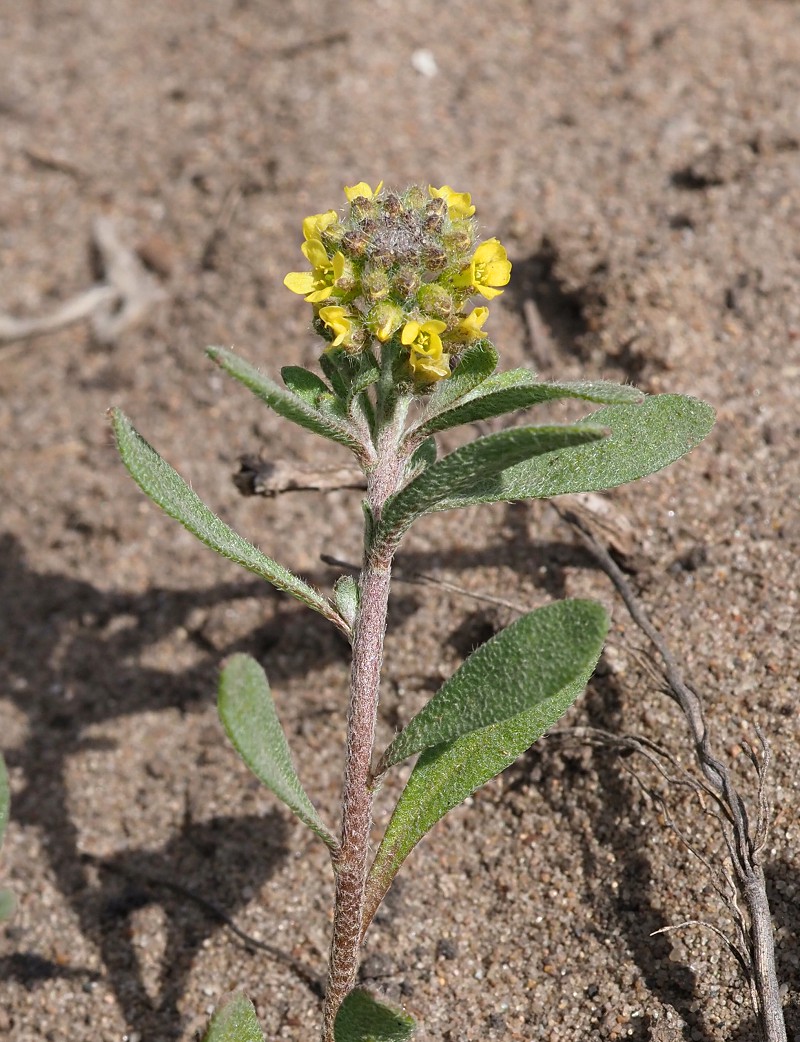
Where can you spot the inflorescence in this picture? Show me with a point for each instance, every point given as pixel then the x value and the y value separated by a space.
pixel 400 268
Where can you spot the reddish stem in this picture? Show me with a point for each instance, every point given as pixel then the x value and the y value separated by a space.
pixel 350 865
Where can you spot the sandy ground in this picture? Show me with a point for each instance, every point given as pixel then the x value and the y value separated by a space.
pixel 642 163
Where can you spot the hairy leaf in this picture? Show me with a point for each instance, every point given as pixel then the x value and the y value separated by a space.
pixel 305 384
pixel 468 469
pixel 367 374
pixel 234 1020
pixel 489 403
pixel 328 364
pixel 362 1018
pixel 445 775
pixel 524 665
pixel 345 597
pixel 422 458
pixel 286 403
pixel 164 486
pixel 248 715
pixel 644 438
pixel 475 365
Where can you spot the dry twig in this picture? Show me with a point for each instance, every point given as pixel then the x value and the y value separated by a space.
pixel 124 297
pixel 745 842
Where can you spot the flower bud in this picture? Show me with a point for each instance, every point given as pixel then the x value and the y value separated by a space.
pixel 434 258
pixel 384 319
pixel 435 300
pixel 355 242
pixel 433 222
pixel 392 206
pixel 406 282
pixel 415 197
pixel 375 283
pixel 458 241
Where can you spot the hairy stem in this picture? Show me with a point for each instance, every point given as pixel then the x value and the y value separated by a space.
pixel 350 864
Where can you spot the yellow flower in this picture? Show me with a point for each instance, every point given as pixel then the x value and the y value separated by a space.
pixel 427 358
pixel 470 327
pixel 338 321
pixel 315 225
pixel 488 269
pixel 361 189
pixel 318 284
pixel 459 204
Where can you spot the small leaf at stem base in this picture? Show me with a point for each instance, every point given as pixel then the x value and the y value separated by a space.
pixel 234 1020
pixel 362 1018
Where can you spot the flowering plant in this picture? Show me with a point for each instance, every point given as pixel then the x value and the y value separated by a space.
pixel 405 357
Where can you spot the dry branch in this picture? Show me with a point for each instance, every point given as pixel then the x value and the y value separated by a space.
pixel 124 297
pixel 744 840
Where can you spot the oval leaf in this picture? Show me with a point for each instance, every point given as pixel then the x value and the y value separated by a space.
pixel 445 775
pixel 361 1018
pixel 234 1020
pixel 157 479
pixel 248 715
pixel 644 438
pixel 524 665
pixel 471 467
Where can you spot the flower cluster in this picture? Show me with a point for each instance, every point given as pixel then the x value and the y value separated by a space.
pixel 400 269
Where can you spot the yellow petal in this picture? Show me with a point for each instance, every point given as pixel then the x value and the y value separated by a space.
pixel 434 325
pixel 299 281
pixel 315 225
pixel 361 189
pixel 319 294
pixel 458 203
pixel 409 334
pixel 487 292
pixel 316 253
pixel 430 369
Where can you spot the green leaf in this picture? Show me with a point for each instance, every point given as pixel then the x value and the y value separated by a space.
pixel 422 458
pixel 305 384
pixel 471 467
pixel 367 374
pixel 475 365
pixel 5 799
pixel 488 403
pixel 234 1020
pixel 525 665
pixel 329 366
pixel 644 438
pixel 8 904
pixel 164 486
pixel 346 597
pixel 286 403
pixel 362 1018
pixel 248 715
pixel 445 775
